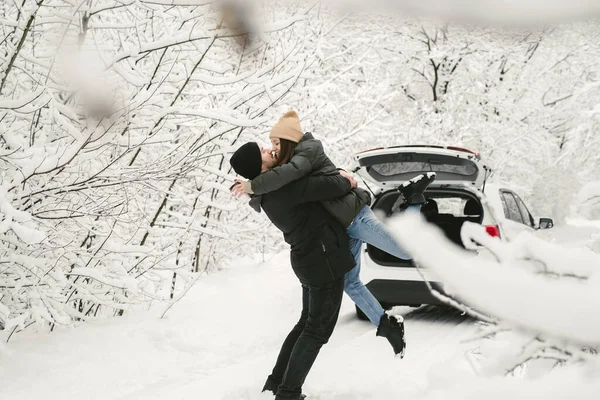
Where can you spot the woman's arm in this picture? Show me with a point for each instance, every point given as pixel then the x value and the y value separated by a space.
pixel 299 166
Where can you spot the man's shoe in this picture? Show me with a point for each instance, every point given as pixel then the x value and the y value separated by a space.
pixel 271 386
pixel 392 328
pixel 300 397
pixel 412 190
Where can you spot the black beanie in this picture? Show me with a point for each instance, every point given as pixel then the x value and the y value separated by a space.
pixel 246 161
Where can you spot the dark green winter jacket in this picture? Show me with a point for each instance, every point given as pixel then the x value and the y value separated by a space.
pixel 309 158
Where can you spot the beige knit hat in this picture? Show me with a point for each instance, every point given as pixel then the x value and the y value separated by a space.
pixel 288 127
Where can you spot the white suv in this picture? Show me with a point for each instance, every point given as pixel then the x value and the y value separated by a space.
pixel 453 198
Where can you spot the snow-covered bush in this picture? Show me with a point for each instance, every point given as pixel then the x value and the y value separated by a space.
pixel 539 300
pixel 553 192
pixel 587 203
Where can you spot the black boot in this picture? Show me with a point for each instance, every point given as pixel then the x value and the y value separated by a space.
pixel 392 328
pixel 272 386
pixel 412 190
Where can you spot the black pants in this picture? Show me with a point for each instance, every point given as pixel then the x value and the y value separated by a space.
pixel 320 310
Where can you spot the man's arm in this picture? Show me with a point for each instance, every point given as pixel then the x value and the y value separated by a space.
pixel 317 188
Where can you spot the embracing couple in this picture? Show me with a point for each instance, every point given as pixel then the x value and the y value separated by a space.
pixel 324 218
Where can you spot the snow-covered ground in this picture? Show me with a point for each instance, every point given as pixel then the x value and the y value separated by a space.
pixel 220 342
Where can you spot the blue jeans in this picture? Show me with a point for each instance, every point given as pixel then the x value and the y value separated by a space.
pixel 365 227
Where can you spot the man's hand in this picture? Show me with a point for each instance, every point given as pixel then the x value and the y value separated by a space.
pixel 353 183
pixel 238 188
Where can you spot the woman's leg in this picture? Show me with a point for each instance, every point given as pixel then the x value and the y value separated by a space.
pixel 357 291
pixel 368 228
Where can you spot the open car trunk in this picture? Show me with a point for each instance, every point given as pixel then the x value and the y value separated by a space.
pixel 448 209
pixel 392 166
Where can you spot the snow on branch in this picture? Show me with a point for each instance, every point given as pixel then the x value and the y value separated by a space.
pixel 24 103
pixel 211 114
pixel 542 298
pixel 526 299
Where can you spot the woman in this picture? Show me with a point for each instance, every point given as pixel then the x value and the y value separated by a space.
pixel 320 257
pixel 299 155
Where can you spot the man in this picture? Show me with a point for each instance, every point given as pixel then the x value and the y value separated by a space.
pixel 320 256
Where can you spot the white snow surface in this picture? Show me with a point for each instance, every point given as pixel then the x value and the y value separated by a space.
pixel 221 340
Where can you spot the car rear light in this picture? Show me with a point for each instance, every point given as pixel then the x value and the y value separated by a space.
pixel 376 148
pixel 463 149
pixel 429 146
pixel 492 230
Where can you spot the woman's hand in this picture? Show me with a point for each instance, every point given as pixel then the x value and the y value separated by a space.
pixel 238 188
pixel 353 183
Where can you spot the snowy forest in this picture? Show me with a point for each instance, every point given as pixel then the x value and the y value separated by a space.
pixel 118 118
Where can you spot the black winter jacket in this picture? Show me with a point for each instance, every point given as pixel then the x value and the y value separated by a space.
pixel 319 244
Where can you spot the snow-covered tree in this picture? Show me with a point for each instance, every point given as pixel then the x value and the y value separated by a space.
pixel 525 97
pixel 116 119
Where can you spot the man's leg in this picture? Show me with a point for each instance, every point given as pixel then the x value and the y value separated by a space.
pixel 368 228
pixel 324 308
pixel 274 380
pixel 357 291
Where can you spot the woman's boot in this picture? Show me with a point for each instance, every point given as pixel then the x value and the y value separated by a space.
pixel 392 328
pixel 413 189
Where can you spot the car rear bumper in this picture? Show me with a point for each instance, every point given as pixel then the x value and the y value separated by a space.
pixel 404 272
pixel 403 293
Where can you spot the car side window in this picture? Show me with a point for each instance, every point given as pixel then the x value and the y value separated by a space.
pixel 504 206
pixel 511 211
pixel 524 211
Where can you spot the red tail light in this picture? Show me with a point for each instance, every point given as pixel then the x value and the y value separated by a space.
pixel 492 230
pixel 465 150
